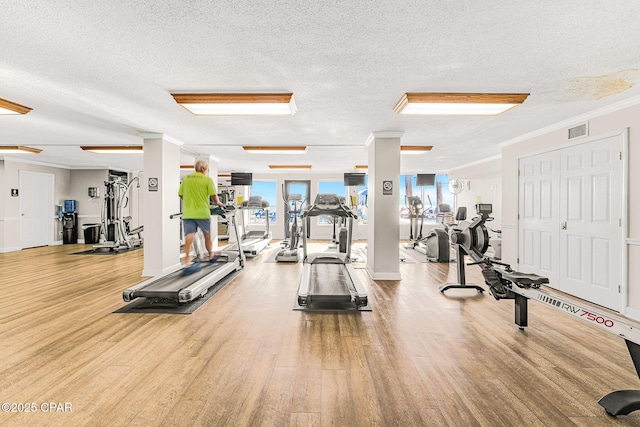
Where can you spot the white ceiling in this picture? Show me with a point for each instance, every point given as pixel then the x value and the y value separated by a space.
pixel 98 73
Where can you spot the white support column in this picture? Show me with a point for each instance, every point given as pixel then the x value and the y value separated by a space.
pixel 160 199
pixel 213 174
pixel 383 247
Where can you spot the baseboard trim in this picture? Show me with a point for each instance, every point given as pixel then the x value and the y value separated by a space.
pixel 11 249
pixel 632 313
pixel 384 275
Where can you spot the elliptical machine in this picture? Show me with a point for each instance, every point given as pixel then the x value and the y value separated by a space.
pixel 339 239
pixel 415 208
pixel 435 245
pixel 289 251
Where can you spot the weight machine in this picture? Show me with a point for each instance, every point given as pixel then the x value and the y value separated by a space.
pixel 116 227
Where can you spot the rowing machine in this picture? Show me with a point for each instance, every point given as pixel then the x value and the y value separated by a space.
pixel 505 283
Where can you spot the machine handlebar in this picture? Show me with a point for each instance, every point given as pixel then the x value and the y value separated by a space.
pixel 214 211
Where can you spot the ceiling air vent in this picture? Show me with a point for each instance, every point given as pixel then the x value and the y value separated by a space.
pixel 578 131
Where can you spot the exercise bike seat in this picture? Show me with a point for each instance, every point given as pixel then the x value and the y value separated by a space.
pixel 524 280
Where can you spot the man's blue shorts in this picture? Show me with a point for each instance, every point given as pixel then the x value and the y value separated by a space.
pixel 191 225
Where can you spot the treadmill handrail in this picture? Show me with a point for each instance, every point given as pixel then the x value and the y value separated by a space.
pixel 331 210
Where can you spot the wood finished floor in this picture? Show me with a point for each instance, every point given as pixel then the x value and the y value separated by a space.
pixel 245 358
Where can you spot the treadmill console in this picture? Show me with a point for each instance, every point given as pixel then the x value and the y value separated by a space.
pixel 327 201
pixel 484 209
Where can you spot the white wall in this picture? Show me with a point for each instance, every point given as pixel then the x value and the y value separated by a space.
pixel 89 210
pixel 484 186
pixel 69 184
pixel 4 192
pixel 600 123
pixel 10 206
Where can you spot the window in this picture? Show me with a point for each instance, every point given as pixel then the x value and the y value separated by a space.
pixel 431 197
pixel 362 202
pixel 330 187
pixel 266 190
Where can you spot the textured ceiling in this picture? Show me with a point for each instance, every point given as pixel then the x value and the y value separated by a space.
pixel 98 73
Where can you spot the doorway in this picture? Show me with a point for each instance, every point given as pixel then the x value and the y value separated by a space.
pixel 571 205
pixel 36 209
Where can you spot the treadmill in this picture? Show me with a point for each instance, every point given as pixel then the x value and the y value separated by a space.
pixel 329 281
pixel 175 287
pixel 254 241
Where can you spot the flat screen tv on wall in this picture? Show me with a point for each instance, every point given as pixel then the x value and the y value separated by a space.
pixel 354 178
pixel 426 179
pixel 241 178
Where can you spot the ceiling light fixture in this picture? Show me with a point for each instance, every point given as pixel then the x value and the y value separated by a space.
pixel 415 149
pixel 8 107
pixel 114 149
pixel 485 104
pixel 232 104
pixel 265 149
pixel 18 149
pixel 282 167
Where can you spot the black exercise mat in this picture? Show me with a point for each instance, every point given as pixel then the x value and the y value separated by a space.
pixel 106 251
pixel 143 305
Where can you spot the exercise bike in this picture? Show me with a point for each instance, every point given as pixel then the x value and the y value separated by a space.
pixel 437 242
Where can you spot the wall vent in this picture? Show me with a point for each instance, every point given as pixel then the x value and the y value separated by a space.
pixel 578 131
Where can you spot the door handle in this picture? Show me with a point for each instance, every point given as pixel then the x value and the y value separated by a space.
pixel 563 225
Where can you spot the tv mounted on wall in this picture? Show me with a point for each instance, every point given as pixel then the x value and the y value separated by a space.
pixel 426 179
pixel 241 178
pixel 354 178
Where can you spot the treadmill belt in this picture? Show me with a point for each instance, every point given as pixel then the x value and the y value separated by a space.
pixel 329 280
pixel 146 305
pixel 171 284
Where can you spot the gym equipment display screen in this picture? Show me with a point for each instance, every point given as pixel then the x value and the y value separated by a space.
pixel 241 178
pixel 354 179
pixel 426 179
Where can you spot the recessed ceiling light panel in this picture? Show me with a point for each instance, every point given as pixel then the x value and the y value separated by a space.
pixel 114 149
pixel 18 149
pixel 285 167
pixel 487 104
pixel 233 104
pixel 263 149
pixel 415 149
pixel 11 108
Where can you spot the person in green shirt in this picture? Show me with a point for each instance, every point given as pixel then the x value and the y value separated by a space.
pixel 196 190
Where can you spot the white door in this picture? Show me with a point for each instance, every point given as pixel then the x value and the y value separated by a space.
pixel 538 214
pixel 591 221
pixel 36 209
